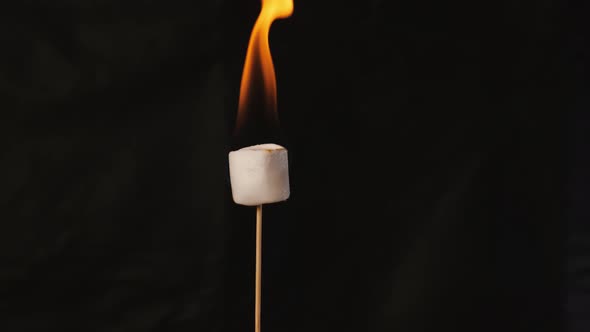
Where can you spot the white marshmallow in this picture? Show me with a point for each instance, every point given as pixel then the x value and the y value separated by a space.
pixel 259 174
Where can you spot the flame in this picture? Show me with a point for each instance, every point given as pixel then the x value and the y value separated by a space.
pixel 258 67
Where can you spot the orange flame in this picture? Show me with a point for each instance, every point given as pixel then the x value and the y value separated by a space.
pixel 259 67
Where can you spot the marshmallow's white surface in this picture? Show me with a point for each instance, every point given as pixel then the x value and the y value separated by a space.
pixel 259 174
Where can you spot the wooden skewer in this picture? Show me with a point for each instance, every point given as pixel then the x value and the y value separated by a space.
pixel 258 297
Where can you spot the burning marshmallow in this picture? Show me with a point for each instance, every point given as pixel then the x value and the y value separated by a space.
pixel 259 174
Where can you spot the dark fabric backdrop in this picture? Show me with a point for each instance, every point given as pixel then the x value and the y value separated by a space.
pixel 426 145
pixel 578 208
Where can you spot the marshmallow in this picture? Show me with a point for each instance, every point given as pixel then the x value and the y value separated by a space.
pixel 259 174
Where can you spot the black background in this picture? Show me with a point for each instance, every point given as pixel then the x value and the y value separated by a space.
pixel 428 153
